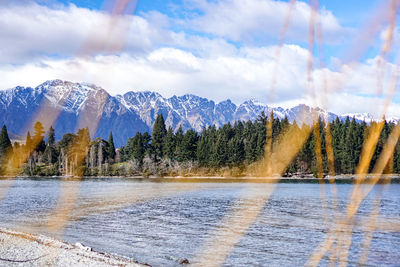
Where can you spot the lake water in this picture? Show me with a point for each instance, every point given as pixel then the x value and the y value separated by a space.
pixel 161 222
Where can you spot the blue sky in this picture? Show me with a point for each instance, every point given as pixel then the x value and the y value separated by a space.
pixel 213 48
pixel 351 14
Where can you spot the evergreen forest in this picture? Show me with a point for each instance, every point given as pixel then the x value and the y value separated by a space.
pixel 232 150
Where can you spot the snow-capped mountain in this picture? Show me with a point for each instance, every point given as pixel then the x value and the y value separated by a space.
pixel 360 116
pixel 368 118
pixel 69 106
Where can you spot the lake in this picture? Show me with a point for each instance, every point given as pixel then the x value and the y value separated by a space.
pixel 159 222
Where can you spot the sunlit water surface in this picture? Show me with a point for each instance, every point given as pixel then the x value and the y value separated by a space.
pixel 161 222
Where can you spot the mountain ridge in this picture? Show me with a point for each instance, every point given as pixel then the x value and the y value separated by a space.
pixel 69 106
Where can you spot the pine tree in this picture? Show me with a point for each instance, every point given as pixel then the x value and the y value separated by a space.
pixel 28 142
pixel 276 127
pixel 350 148
pixel 220 156
pixel 158 136
pixel 5 143
pixel 39 130
pixel 285 124
pixel 145 143
pixel 178 143
pixel 203 153
pixel 189 145
pixel 50 153
pixel 169 145
pixel 136 147
pixel 338 136
pixel 238 153
pixel 396 163
pixel 17 155
pixel 111 147
pixel 80 149
pixel 261 130
pixel 251 137
pixel 138 150
pixel 39 136
pixel 306 157
pixel 51 136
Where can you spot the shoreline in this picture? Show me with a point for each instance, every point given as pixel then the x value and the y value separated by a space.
pixel 25 249
pixel 386 178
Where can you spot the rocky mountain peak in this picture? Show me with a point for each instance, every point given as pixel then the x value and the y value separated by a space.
pixel 80 104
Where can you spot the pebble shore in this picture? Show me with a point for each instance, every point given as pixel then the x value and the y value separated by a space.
pixel 23 249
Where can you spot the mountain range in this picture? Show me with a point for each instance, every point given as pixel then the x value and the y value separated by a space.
pixel 69 106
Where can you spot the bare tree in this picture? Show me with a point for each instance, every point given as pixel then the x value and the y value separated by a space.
pixel 100 156
pixel 92 158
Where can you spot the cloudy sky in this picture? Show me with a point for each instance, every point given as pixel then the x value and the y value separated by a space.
pixel 217 49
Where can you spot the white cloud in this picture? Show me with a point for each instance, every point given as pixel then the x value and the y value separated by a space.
pixel 238 77
pixel 32 30
pixel 174 71
pixel 241 20
pixel 358 87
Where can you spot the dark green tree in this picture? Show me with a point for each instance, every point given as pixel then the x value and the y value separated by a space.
pixel 66 141
pixel 206 146
pixel 189 145
pixel 220 155
pixel 203 148
pixel 38 137
pixel 178 144
pixel 158 138
pixel 237 151
pixel 250 142
pixel 5 143
pixel 50 153
pixel 136 147
pixel 51 136
pixel 28 142
pixel 261 123
pixel 111 147
pixel 169 144
pixel 396 158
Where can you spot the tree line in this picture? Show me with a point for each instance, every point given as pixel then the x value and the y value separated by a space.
pixel 236 149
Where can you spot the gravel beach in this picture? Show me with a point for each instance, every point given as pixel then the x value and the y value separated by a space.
pixel 22 249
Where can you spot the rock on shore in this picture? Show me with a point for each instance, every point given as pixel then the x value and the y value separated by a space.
pixel 22 249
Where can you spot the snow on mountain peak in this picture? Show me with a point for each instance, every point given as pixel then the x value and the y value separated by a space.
pixel 137 111
pixel 68 95
pixel 367 117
